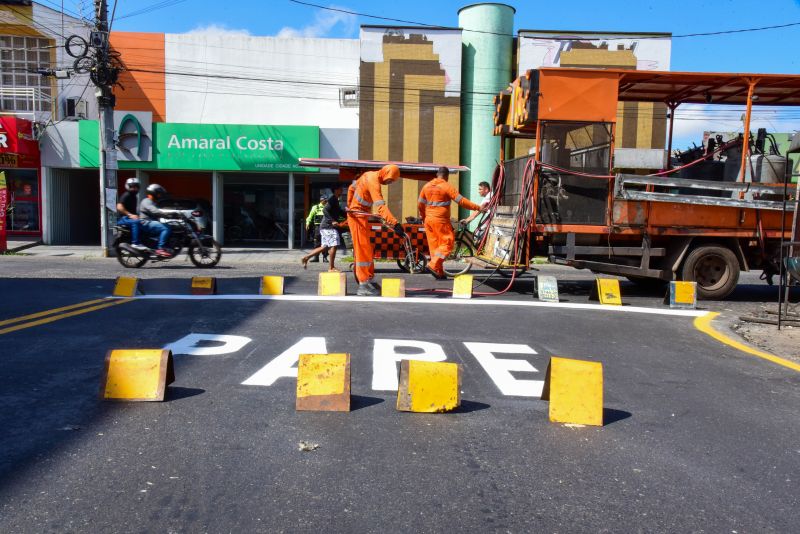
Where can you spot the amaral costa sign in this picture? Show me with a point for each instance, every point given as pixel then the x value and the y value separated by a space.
pixel 217 147
pixel 241 143
pixel 234 147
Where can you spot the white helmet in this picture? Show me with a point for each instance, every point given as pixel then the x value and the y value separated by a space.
pixel 131 182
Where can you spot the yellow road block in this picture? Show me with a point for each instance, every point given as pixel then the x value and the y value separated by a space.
pixel 608 291
pixel 323 383
pixel 332 285
pixel 575 391
pixel 137 374
pixel 429 387
pixel 204 285
pixel 462 286
pixel 682 295
pixel 125 286
pixel 271 285
pixel 393 287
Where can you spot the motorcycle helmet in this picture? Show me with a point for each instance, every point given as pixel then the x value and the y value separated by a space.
pixel 131 182
pixel 156 190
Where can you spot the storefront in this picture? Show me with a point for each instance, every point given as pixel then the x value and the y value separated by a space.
pixel 245 178
pixel 20 162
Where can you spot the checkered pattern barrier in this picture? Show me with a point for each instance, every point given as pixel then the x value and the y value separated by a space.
pixel 388 244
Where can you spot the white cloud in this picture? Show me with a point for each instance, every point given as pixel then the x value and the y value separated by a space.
pixel 324 22
pixel 217 30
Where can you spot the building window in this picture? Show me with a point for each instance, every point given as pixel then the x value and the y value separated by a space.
pixel 348 97
pixel 21 88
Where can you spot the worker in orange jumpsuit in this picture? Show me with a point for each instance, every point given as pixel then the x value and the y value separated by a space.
pixel 434 209
pixel 362 196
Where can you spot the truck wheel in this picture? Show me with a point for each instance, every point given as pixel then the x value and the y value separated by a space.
pixel 714 268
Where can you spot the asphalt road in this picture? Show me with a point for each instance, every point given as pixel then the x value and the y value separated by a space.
pixel 698 436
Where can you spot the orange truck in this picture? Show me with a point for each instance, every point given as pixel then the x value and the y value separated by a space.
pixel 704 222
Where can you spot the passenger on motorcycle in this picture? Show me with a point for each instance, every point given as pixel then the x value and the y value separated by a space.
pixel 149 213
pixel 127 212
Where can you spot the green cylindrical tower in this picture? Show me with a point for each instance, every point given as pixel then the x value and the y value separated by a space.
pixel 486 69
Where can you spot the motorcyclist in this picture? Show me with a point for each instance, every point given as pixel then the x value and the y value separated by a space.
pixel 127 212
pixel 149 213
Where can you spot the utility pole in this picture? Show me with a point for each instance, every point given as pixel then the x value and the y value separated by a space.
pixel 104 80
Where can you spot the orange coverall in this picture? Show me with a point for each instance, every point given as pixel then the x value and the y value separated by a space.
pixel 434 208
pixel 362 195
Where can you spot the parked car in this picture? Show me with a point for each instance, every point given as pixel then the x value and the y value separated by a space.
pixel 187 206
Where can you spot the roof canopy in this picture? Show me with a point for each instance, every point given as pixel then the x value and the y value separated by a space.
pixel 704 87
pixel 350 168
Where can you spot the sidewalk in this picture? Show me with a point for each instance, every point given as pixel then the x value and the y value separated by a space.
pixel 230 255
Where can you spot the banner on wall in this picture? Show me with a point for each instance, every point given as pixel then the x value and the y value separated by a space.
pixel 3 206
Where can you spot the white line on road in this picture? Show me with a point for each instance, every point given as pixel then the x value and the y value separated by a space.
pixel 437 301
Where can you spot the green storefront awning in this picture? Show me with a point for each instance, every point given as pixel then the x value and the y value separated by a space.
pixel 215 147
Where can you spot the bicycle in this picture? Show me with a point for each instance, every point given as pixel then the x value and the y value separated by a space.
pixel 459 261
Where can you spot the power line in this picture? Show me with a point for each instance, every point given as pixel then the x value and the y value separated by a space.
pixel 152 7
pixel 277 80
pixel 62 9
pixel 113 12
pixel 435 26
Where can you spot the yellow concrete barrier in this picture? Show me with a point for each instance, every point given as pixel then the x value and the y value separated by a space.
pixel 332 285
pixel 462 286
pixel 271 285
pixel 204 285
pixel 393 287
pixel 125 286
pixel 429 387
pixel 137 374
pixel 323 383
pixel 575 391
pixel 607 291
pixel 682 295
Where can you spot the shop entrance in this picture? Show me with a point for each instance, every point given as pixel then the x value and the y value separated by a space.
pixel 74 204
pixel 256 210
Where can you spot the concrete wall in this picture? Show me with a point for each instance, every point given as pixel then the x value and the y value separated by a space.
pixel 338 143
pixel 640 125
pixel 59 146
pixel 238 79
pixel 410 102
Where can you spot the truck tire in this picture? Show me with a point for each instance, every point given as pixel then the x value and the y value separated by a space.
pixel 714 268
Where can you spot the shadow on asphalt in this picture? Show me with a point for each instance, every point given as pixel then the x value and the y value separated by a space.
pixel 611 416
pixel 176 393
pixel 184 267
pixel 471 406
pixel 361 401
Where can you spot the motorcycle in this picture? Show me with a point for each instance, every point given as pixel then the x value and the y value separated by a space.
pixel 184 233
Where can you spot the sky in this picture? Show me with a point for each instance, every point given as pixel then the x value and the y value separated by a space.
pixel 768 51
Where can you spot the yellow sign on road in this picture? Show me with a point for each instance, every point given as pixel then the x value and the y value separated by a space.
pixel 608 291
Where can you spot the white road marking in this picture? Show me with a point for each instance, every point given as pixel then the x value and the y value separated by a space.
pixel 385 358
pixel 225 344
pixel 284 364
pixel 498 368
pixel 437 302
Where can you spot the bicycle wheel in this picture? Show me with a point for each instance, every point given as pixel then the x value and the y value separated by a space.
pixel 460 259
